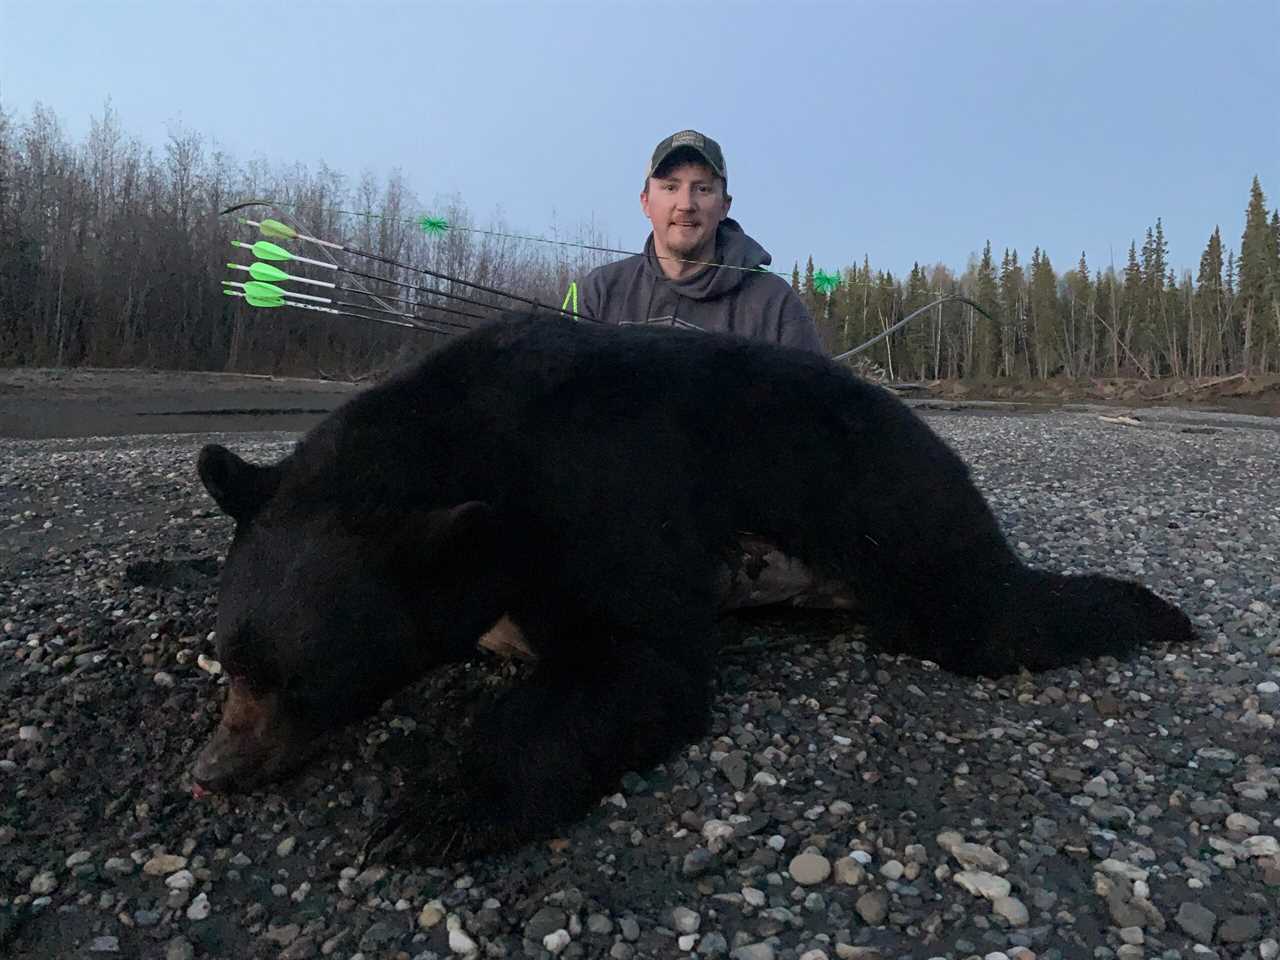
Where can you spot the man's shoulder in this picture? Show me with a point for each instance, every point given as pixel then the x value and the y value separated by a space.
pixel 611 272
pixel 766 283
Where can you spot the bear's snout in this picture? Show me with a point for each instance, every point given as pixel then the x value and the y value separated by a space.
pixel 255 743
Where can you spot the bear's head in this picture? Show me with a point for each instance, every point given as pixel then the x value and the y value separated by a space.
pixel 324 610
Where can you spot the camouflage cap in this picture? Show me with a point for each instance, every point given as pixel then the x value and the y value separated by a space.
pixel 702 145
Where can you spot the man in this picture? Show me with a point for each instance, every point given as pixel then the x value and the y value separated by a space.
pixel 699 269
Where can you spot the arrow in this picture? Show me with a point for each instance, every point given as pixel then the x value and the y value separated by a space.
pixel 256 300
pixel 266 273
pixel 270 251
pixel 265 250
pixel 268 294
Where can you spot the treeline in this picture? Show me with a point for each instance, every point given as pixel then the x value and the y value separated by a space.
pixel 1147 321
pixel 113 254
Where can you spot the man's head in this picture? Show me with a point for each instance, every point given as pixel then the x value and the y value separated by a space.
pixel 685 196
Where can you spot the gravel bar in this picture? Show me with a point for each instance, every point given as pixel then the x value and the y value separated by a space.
pixel 847 804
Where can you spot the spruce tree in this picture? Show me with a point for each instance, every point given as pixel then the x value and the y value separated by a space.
pixel 1208 328
pixel 985 336
pixel 1133 303
pixel 1079 335
pixel 1044 313
pixel 1012 311
pixel 1256 268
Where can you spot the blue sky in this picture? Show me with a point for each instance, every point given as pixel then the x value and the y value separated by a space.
pixel 903 130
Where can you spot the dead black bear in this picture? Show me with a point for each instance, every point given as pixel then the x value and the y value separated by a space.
pixel 591 484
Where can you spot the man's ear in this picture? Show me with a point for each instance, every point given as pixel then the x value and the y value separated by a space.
pixel 240 488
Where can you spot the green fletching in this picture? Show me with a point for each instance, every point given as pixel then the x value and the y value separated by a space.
pixel 267 273
pixel 274 228
pixel 255 301
pixel 259 289
pixel 824 282
pixel 433 226
pixel 269 251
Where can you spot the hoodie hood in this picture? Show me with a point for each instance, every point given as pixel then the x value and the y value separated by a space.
pixel 733 249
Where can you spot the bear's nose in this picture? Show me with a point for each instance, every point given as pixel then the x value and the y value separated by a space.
pixel 212 771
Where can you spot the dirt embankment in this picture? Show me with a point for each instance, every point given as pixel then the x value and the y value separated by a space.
pixel 1257 395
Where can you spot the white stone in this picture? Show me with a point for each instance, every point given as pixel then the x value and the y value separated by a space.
pixel 717 830
pixel 685 920
pixel 554 943
pixel 1118 868
pixel 892 870
pixel 983 884
pixel 199 908
pixel 43 883
pixel 182 880
pixel 1012 909
pixel 973 855
pixel 1262 846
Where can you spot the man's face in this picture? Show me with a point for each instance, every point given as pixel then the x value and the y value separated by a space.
pixel 685 205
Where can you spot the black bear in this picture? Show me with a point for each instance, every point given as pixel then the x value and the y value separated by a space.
pixel 588 486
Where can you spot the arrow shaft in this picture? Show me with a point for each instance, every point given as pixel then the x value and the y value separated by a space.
pixel 416 325
pixel 421 289
pixel 419 303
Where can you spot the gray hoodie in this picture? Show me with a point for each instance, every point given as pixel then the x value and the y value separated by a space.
pixel 747 302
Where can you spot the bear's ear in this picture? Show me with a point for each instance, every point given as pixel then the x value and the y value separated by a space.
pixel 240 488
pixel 470 525
pixel 455 538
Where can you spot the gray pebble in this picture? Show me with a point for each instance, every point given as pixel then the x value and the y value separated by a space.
pixel 545 921
pixel 1240 928
pixel 1196 921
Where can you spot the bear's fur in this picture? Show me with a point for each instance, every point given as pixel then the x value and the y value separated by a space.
pixel 591 484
